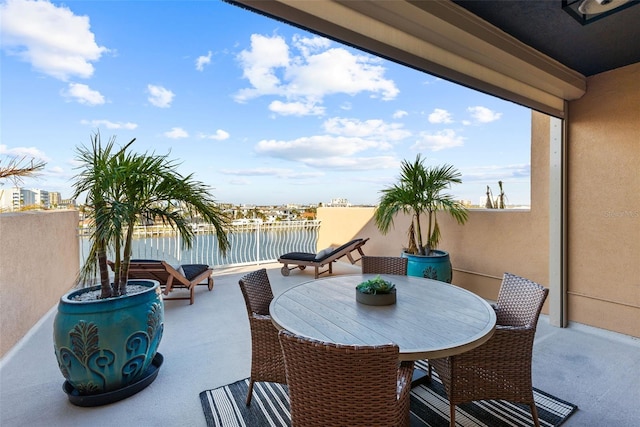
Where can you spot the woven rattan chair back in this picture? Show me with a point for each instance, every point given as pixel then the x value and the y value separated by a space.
pixel 343 385
pixel 267 363
pixel 519 301
pixel 384 265
pixel 501 367
pixel 257 292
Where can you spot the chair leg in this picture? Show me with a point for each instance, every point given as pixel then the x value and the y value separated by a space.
pixel 534 414
pixel 192 294
pixel 249 392
pixel 452 415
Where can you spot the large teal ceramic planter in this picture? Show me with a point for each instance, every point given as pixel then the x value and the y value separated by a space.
pixel 106 345
pixel 436 266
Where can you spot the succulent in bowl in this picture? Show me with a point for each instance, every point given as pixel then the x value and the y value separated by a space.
pixel 377 285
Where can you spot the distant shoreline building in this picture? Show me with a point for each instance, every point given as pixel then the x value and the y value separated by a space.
pixel 18 198
pixel 339 203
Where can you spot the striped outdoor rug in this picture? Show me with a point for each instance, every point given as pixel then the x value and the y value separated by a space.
pixel 225 407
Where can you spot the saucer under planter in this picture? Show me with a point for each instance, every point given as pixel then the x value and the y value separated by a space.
pixel 113 396
pixel 107 345
pixel 376 299
pixel 436 266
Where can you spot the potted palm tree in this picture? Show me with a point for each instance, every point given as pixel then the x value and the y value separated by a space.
pixel 106 336
pixel 420 191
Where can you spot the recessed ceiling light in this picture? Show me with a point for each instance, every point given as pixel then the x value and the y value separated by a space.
pixel 587 11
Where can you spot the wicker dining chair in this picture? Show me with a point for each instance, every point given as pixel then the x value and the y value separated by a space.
pixel 384 265
pixel 501 367
pixel 267 363
pixel 345 385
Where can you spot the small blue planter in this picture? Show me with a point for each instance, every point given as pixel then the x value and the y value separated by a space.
pixel 436 266
pixel 106 345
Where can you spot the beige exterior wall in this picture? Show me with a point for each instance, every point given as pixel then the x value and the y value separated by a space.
pixel 39 261
pixel 604 202
pixel 489 244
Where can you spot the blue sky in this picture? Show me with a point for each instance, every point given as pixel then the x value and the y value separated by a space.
pixel 261 111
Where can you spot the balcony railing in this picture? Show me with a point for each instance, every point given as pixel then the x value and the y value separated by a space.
pixel 250 243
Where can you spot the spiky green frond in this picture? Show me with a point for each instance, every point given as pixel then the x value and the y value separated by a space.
pixel 124 188
pixel 420 190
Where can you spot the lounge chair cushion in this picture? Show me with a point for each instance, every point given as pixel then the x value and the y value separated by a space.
pixel 191 271
pixel 320 256
pixel 326 251
pixel 336 250
pixel 302 256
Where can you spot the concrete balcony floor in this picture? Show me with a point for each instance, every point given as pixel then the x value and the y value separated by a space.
pixel 207 345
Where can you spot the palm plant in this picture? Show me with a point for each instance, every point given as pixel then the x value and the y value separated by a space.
pixel 420 192
pixel 124 188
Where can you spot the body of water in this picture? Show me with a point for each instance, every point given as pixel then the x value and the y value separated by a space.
pixel 249 244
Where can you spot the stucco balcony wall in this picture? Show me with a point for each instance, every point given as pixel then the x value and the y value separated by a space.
pixel 490 243
pixel 38 263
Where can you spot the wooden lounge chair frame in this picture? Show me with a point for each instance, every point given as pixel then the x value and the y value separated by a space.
pixel 168 276
pixel 303 259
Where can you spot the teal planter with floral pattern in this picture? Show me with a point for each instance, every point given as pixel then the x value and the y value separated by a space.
pixel 436 266
pixel 105 345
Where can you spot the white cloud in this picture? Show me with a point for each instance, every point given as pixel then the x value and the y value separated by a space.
pixel 159 96
pixel 275 172
pixel 371 129
pixel 398 114
pixel 430 82
pixel 307 71
pixel 202 61
pixel 52 39
pixel 318 146
pixel 239 181
pixel 176 133
pixel 56 170
pixel 83 94
pixel 338 71
pixel 483 114
pixel 109 124
pixel 259 64
pixel 441 140
pixel 309 45
pixel 26 152
pixel 296 108
pixel 494 173
pixel 440 116
pixel 220 135
pixel 376 163
pixel 349 145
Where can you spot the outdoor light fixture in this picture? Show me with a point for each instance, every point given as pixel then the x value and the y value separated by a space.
pixel 587 11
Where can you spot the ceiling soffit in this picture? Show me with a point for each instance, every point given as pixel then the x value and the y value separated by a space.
pixel 440 38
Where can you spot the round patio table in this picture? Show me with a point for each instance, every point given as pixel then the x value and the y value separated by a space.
pixel 430 319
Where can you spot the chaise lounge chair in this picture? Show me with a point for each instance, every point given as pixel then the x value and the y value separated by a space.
pixel 325 257
pixel 171 278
